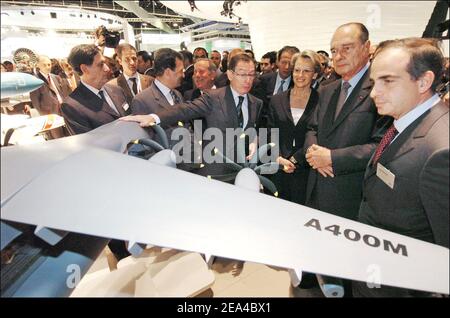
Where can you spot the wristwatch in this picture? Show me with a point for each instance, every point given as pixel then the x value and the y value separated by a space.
pixel 293 160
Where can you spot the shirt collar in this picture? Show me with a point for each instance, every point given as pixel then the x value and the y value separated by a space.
pixel 279 79
pixel 403 122
pixel 236 96
pixel 355 79
pixel 136 76
pixel 163 88
pixel 45 76
pixel 92 89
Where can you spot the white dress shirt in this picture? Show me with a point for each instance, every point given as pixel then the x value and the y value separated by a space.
pixel 96 92
pixel 130 82
pixel 403 122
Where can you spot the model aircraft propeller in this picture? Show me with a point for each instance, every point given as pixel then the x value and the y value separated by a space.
pixel 252 164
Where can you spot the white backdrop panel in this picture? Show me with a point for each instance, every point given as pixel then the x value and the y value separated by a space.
pixel 310 24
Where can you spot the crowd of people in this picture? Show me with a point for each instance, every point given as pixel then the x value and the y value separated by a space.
pixel 341 119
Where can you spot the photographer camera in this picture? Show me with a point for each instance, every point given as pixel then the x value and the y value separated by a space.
pixel 106 40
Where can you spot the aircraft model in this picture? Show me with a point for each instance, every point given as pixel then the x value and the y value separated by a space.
pixel 85 184
pixel 17 83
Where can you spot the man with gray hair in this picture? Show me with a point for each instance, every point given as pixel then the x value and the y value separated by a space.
pixel 47 99
pixel 344 131
pixel 204 76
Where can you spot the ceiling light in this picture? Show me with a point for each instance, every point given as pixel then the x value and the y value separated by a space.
pixel 175 24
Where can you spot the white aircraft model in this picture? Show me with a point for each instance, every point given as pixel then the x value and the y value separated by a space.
pixel 85 184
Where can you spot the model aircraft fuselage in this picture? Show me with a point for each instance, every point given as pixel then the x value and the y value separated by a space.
pixel 16 83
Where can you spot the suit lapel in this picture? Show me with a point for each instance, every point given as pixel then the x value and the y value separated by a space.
pixel 91 100
pixel 327 122
pixel 286 105
pixel 122 82
pixel 56 85
pixel 404 143
pixel 309 108
pixel 49 85
pixel 159 96
pixel 230 107
pixel 116 100
pixel 272 83
pixel 358 95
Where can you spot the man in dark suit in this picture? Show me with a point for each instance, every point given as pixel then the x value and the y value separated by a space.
pixel 48 98
pixel 92 103
pixel 406 184
pixel 275 82
pixel 129 80
pixel 344 132
pixel 227 107
pixel 204 75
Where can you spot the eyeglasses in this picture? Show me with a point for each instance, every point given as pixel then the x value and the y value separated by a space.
pixel 245 76
pixel 306 71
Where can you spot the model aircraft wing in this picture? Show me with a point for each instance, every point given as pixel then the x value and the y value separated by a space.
pixel 107 194
pixel 21 164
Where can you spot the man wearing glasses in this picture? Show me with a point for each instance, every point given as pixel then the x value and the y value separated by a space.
pixel 227 107
pixel 130 80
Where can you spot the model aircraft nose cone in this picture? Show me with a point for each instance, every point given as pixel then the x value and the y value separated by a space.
pixel 16 83
pixel 248 179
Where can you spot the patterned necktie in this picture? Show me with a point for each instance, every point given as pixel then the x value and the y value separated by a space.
pixel 175 98
pixel 342 97
pixel 384 143
pixel 280 89
pixel 135 90
pixel 239 111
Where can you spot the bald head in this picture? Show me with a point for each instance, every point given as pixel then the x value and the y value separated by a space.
pixel 44 64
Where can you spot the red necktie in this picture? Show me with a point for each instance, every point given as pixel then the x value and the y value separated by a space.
pixel 384 143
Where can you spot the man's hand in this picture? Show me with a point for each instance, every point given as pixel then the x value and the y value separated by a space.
pixel 318 157
pixel 252 147
pixel 288 166
pixel 326 171
pixel 143 120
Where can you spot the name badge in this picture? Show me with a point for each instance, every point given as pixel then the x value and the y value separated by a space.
pixel 385 175
pixel 125 106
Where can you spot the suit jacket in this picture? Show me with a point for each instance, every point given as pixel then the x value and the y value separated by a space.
pixel 122 83
pixel 418 204
pixel 152 100
pixel 291 187
pixel 264 89
pixel 83 110
pixel 352 138
pixel 192 94
pixel 218 110
pixel 44 99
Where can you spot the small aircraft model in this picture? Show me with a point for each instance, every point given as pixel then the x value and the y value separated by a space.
pixel 21 128
pixel 17 83
pixel 86 185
